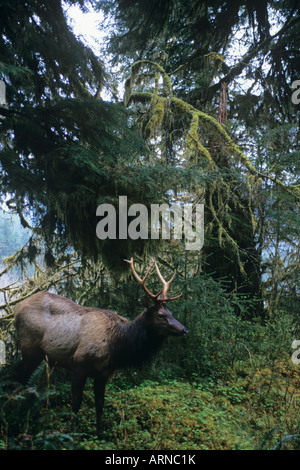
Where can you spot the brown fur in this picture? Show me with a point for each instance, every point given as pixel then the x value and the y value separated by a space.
pixel 91 342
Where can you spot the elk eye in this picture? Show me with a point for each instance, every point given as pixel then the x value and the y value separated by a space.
pixel 161 315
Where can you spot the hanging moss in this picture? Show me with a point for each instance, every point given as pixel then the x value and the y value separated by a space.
pixel 195 116
pixel 215 58
pixel 128 84
pixel 136 67
pixel 162 108
pixel 157 118
pixel 193 140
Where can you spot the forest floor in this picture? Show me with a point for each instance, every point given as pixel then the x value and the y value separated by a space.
pixel 253 408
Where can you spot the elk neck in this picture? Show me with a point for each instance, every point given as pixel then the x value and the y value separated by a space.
pixel 135 342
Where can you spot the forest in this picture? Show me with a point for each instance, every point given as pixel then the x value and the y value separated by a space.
pixel 188 104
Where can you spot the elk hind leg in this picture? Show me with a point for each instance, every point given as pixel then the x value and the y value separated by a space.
pixel 29 362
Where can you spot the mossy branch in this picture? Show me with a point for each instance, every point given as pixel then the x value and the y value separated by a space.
pixel 193 141
pixel 161 105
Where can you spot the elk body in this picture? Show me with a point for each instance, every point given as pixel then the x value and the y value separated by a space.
pixel 91 342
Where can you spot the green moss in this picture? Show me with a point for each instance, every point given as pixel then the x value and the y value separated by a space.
pixel 221 415
pixel 255 406
pixel 193 140
pixel 141 97
pixel 156 119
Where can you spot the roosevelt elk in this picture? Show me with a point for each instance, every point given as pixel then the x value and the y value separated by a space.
pixel 91 342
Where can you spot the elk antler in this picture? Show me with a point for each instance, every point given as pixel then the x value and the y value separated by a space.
pixel 165 283
pixel 142 282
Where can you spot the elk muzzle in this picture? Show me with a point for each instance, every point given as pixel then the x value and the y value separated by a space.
pixel 176 328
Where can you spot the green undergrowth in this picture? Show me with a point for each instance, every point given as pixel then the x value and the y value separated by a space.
pixel 255 408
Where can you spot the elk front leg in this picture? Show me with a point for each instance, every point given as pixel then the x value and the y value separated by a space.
pixel 99 390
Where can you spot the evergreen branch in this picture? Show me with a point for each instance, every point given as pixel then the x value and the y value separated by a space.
pixel 196 115
pixel 251 53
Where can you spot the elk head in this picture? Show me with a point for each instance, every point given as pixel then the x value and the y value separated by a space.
pixel 159 316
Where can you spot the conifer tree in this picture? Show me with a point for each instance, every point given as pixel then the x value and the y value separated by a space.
pixel 192 44
pixel 64 150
